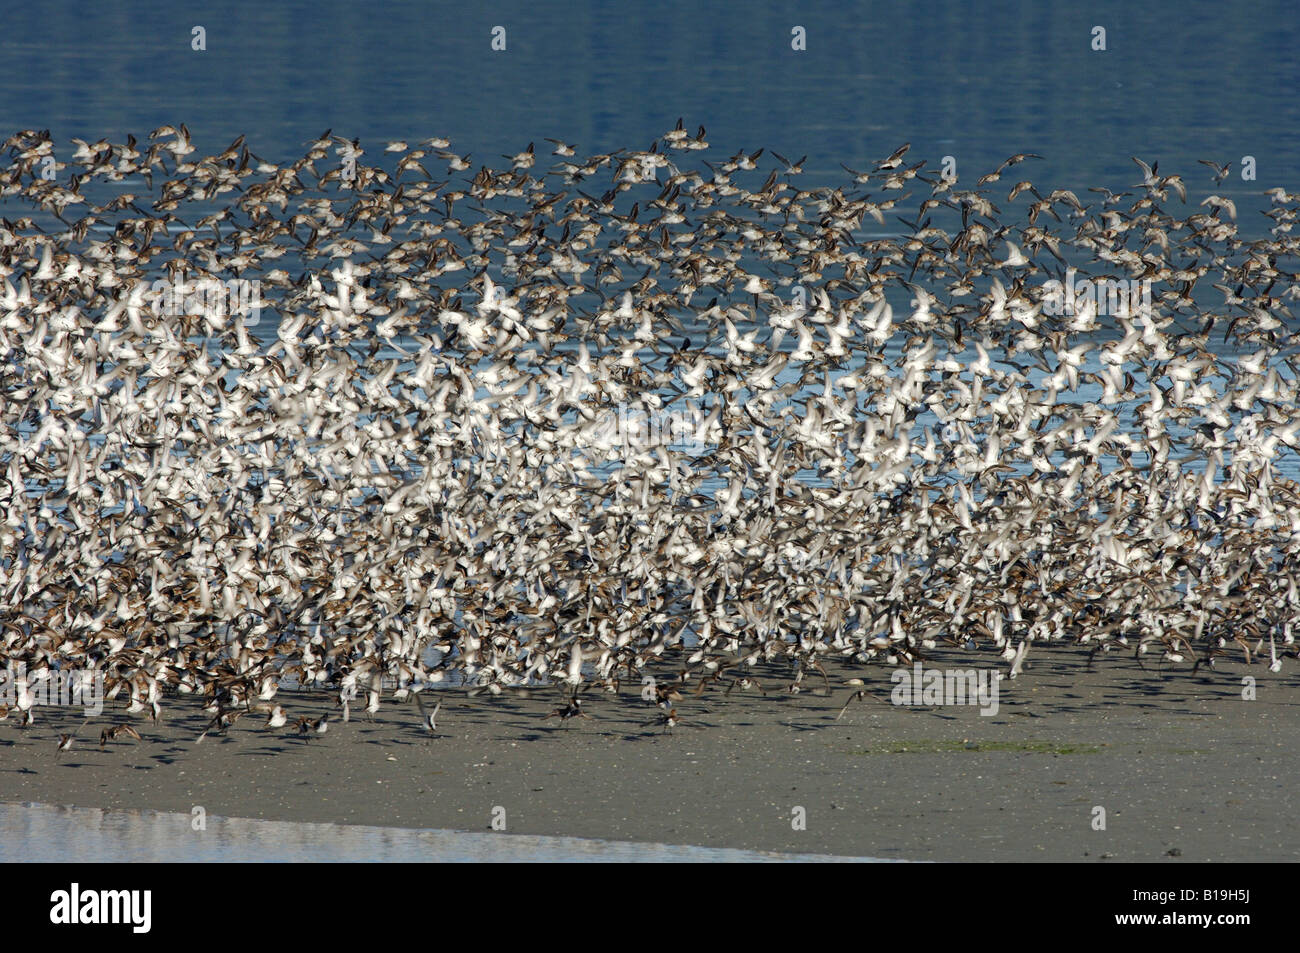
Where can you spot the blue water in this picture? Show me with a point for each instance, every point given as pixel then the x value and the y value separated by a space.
pixel 42 833
pixel 1179 81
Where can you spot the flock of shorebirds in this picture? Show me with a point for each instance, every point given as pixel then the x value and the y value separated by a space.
pixel 403 472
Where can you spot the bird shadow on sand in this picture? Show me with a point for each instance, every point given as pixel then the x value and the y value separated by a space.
pixel 264 751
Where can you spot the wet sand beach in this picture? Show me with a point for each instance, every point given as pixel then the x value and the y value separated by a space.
pixel 1185 769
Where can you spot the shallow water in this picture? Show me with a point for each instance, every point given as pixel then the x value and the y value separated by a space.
pixel 43 833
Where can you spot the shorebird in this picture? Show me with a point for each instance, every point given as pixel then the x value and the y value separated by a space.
pixel 860 695
pixel 112 733
pixel 745 683
pixel 666 719
pixel 1221 172
pixel 306 727
pixel 570 709
pixel 428 718
pixel 515 425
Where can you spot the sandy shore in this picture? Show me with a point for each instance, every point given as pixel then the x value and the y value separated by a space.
pixel 1185 769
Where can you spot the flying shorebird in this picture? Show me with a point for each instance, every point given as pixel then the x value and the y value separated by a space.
pixel 306 727
pixel 482 399
pixel 428 718
pixel 860 695
pixel 666 719
pixel 112 733
pixel 1221 172
pixel 570 709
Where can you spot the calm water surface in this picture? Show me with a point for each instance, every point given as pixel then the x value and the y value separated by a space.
pixel 1178 81
pixel 42 833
